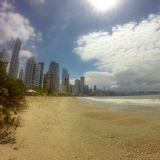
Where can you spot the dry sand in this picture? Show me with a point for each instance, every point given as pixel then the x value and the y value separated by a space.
pixel 67 129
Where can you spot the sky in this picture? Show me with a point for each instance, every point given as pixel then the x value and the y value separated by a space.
pixel 113 44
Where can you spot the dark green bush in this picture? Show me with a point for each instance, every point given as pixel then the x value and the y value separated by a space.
pixel 12 91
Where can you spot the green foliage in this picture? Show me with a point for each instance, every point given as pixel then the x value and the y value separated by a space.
pixel 63 94
pixel 4 74
pixel 38 90
pixel 49 91
pixel 12 91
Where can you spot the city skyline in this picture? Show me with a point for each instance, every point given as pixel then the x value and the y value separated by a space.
pixel 36 77
pixel 113 45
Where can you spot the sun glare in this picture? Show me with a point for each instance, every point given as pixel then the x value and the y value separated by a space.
pixel 103 5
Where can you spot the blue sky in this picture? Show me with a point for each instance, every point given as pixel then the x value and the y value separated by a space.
pixel 116 46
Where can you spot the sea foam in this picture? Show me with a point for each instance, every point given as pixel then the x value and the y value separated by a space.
pixel 130 103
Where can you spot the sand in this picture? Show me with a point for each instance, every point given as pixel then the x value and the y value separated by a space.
pixel 70 129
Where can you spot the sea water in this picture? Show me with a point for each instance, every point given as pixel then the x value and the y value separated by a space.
pixel 149 103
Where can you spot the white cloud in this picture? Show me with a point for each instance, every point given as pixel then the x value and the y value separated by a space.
pixel 101 79
pixel 22 64
pixel 15 25
pixel 33 46
pixel 36 2
pixel 130 52
pixel 26 54
pixel 5 5
pixel 72 81
pixel 39 37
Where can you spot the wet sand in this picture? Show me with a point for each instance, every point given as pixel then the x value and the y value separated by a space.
pixel 68 129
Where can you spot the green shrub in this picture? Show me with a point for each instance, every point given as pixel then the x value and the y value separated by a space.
pixel 12 91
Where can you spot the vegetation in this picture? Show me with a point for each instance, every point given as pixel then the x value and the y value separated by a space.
pixel 12 94
pixel 47 91
pixel 64 94
pixel 38 90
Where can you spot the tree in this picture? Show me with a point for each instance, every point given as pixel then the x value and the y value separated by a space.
pixel 12 91
pixel 3 81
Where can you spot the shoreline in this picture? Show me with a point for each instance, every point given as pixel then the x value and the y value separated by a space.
pixel 67 128
pixel 146 104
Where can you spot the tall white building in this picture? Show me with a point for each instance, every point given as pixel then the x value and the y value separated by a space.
pixel 65 80
pixel 82 83
pixel 54 69
pixel 14 64
pixel 32 72
pixel 77 87
pixel 21 75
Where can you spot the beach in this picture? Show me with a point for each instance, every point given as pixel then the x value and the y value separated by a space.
pixel 66 128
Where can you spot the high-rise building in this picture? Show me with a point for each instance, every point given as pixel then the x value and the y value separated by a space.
pixel 48 82
pixel 108 92
pixel 82 83
pixel 32 72
pixel 86 90
pixel 104 91
pixel 54 69
pixel 21 75
pixel 95 90
pixel 14 64
pixel 99 92
pixel 72 89
pixel 41 70
pixel 90 92
pixel 16 68
pixel 77 87
pixel 65 80
pixel 4 57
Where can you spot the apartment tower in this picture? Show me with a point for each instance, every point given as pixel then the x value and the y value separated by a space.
pixel 14 64
pixel 54 69
pixel 82 83
pixel 65 81
pixel 77 87
pixel 32 72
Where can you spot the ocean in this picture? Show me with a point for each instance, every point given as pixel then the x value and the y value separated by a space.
pixel 145 103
